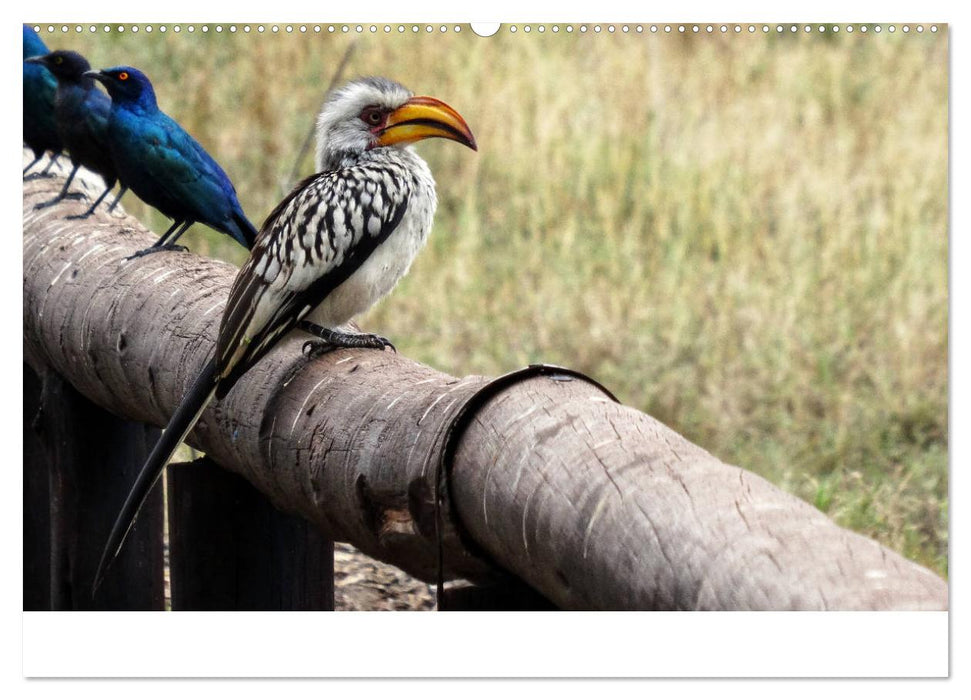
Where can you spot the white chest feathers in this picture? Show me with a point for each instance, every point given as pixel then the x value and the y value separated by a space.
pixel 389 262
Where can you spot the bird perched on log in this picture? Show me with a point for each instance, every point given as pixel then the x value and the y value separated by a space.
pixel 81 114
pixel 40 132
pixel 336 244
pixel 165 166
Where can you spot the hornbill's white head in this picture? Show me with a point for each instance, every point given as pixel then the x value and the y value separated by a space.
pixel 376 112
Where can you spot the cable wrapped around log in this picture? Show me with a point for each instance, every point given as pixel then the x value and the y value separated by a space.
pixel 594 504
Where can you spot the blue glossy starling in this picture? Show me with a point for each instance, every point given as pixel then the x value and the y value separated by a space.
pixel 164 165
pixel 40 133
pixel 81 114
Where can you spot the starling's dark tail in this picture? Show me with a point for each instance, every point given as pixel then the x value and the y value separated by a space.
pixel 182 421
pixel 245 231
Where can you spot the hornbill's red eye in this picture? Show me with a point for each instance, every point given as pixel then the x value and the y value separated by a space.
pixel 373 116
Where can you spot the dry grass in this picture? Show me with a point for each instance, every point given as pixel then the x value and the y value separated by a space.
pixel 744 236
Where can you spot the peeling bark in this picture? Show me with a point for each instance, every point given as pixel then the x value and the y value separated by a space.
pixel 594 504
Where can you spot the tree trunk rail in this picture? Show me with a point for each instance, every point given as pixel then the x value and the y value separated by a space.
pixel 549 481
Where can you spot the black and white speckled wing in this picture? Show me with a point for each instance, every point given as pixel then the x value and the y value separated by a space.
pixel 316 238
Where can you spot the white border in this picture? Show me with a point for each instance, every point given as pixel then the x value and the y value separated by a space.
pixel 578 644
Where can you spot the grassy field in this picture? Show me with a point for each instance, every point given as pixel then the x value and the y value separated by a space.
pixel 744 236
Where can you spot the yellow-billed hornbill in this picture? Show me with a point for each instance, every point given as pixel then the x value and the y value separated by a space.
pixel 334 246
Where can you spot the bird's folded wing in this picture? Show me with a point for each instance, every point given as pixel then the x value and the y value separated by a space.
pixel 312 242
pixel 181 168
pixel 211 170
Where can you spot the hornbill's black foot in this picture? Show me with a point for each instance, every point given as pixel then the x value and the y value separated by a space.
pixel 369 340
pixel 157 249
pixel 331 340
pixel 52 202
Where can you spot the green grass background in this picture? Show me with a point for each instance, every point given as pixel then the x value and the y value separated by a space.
pixel 745 236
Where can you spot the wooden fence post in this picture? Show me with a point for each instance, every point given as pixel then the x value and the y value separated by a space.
pixel 37 509
pixel 230 549
pixel 88 458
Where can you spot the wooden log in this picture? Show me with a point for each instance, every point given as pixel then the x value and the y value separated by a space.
pixel 577 486
pixel 593 504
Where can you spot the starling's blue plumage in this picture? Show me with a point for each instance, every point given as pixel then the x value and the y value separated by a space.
pixel 40 133
pixel 81 113
pixel 164 165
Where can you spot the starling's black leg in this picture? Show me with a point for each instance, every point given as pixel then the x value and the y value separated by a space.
pixel 98 201
pixel 335 339
pixel 44 172
pixel 63 194
pixel 91 209
pixel 121 193
pixel 165 243
pixel 32 163
pixel 170 244
pixel 54 158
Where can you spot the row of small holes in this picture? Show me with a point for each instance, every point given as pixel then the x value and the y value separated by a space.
pixel 260 28
pixel 724 28
pixel 667 28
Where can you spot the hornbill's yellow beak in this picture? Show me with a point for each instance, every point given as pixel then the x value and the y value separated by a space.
pixel 424 118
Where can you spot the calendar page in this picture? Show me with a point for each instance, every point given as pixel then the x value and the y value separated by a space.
pixel 576 316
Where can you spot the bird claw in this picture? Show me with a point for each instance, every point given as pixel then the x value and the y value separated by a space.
pixel 370 340
pixel 142 253
pixel 80 216
pixel 380 343
pixel 157 249
pixel 316 348
pixel 52 202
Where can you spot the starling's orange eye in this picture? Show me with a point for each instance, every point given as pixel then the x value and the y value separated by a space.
pixel 123 76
